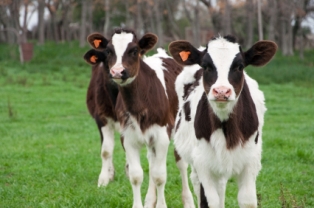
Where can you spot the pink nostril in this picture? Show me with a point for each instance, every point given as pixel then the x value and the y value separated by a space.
pixel 228 93
pixel 215 92
pixel 222 92
pixel 116 72
pixel 113 72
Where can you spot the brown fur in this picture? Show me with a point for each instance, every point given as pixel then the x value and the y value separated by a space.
pixel 148 103
pixel 101 96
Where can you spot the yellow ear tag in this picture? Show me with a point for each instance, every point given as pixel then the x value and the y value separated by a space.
pixel 184 55
pixel 96 43
pixel 93 59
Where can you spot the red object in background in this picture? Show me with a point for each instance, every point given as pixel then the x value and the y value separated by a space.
pixel 26 51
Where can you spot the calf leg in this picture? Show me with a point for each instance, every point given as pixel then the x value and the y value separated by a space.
pixel 247 189
pixel 158 166
pixel 135 170
pixel 126 167
pixel 210 185
pixel 107 146
pixel 196 185
pixel 221 187
pixel 150 199
pixel 187 197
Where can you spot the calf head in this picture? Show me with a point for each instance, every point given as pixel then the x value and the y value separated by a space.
pixel 122 53
pixel 223 62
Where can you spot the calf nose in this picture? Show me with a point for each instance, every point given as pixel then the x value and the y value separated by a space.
pixel 117 72
pixel 221 93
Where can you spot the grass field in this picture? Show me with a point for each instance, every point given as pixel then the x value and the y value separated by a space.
pixel 49 145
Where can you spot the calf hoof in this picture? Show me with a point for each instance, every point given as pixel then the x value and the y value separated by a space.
pixel 188 204
pixel 187 200
pixel 248 205
pixel 161 205
pixel 150 205
pixel 105 178
pixel 150 202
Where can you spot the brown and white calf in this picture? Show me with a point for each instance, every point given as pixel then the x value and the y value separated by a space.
pixel 220 117
pixel 146 108
pixel 101 99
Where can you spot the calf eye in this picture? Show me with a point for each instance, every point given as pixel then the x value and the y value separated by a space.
pixel 133 52
pixel 108 52
pixel 207 68
pixel 239 67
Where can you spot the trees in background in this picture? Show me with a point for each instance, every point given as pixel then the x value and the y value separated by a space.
pixel 197 20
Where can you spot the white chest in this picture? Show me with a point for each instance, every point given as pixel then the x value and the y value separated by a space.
pixel 133 132
pixel 219 160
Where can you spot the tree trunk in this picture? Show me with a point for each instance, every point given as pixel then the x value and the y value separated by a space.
pixel 283 36
pixel 24 27
pixel 296 27
pixel 259 17
pixel 53 23
pixel 301 54
pixel 139 20
pixel 250 19
pixel 63 24
pixel 174 29
pixel 83 24
pixel 41 22
pixel 196 25
pixel 226 19
pixel 150 17
pixel 212 15
pixel 128 20
pixel 290 39
pixel 272 6
pixel 158 24
pixel 107 17
pixel 14 17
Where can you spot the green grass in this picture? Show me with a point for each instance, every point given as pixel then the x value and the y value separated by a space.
pixel 50 147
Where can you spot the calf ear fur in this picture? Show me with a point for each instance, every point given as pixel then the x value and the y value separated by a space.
pixel 260 53
pixel 184 53
pixel 94 57
pixel 97 41
pixel 147 42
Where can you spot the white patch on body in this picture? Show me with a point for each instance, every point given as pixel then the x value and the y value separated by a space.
pixel 155 62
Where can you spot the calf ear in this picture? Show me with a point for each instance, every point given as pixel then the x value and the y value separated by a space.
pixel 184 53
pixel 260 53
pixel 97 41
pixel 147 42
pixel 94 57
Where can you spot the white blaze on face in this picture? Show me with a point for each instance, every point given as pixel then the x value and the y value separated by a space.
pixel 120 43
pixel 222 53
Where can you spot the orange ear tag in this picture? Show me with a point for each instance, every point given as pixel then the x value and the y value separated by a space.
pixel 184 55
pixel 93 59
pixel 96 43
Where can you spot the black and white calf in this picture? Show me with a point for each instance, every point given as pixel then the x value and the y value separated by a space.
pixel 220 118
